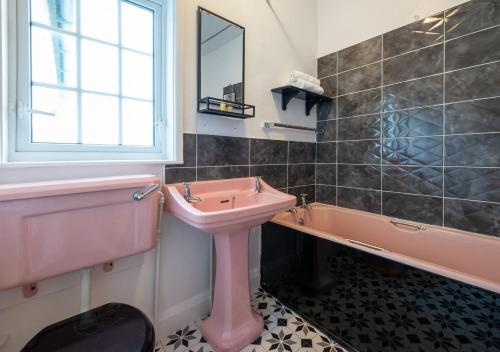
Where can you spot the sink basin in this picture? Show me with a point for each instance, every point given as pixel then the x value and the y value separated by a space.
pixel 228 209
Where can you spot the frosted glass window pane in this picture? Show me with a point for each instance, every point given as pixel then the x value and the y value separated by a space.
pixel 100 122
pixel 137 122
pixel 99 67
pixel 137 75
pixel 55 13
pixel 99 19
pixel 137 28
pixel 61 128
pixel 53 58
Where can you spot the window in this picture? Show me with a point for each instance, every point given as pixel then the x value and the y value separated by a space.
pixel 91 80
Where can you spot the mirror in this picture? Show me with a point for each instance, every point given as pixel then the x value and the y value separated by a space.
pixel 221 62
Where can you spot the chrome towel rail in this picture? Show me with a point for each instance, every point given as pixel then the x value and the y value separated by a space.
pixel 416 227
pixel 366 245
pixel 139 195
pixel 293 127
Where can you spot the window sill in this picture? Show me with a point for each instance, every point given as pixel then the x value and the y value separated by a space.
pixel 12 165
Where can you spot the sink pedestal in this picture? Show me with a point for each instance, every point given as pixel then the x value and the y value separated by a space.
pixel 232 324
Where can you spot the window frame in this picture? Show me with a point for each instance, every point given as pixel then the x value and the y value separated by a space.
pixel 167 136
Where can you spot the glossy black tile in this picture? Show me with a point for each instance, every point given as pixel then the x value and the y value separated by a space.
pixel 360 54
pixel 472 16
pixel 274 175
pixel 301 174
pixel 309 190
pixel 413 179
pixel 362 78
pixel 359 176
pixel 327 110
pixel 473 83
pixel 362 103
pixel 326 174
pixel 327 152
pixel 326 194
pixel 301 152
pixel 421 92
pixel 416 64
pixel 361 127
pixel 474 49
pixel 427 121
pixel 359 199
pixel 266 151
pixel 221 150
pixel 177 175
pixel 359 152
pixel 413 151
pixel 472 216
pixel 330 131
pixel 329 84
pixel 473 150
pixel 221 172
pixel 471 183
pixel 327 65
pixel 473 116
pixel 416 35
pixel 424 209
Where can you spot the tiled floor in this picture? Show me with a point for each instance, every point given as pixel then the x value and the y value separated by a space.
pixel 284 331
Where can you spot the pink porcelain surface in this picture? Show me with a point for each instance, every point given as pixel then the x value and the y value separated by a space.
pixel 51 228
pixel 460 255
pixel 228 209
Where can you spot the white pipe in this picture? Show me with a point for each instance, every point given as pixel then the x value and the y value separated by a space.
pixel 85 289
pixel 158 253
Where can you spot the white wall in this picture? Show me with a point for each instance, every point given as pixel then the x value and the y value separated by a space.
pixel 342 23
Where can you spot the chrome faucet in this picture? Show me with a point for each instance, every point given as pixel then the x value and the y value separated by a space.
pixel 304 204
pixel 187 193
pixel 292 211
pixel 258 185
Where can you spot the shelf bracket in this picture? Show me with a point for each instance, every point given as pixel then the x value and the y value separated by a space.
pixel 310 104
pixel 286 97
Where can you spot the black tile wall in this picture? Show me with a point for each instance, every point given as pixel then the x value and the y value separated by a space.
pixel 416 130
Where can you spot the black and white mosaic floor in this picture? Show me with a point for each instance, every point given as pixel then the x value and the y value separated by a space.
pixel 284 331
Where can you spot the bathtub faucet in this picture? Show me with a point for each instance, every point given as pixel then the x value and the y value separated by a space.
pixel 304 204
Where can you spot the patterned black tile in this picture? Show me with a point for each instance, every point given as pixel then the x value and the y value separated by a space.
pixel 326 174
pixel 421 92
pixel 416 64
pixel 310 190
pixel 326 194
pixel 474 49
pixel 359 176
pixel 189 150
pixel 362 103
pixel 426 121
pixel 473 150
pixel 330 131
pixel 329 84
pixel 410 179
pixel 327 65
pixel 413 151
pixel 301 152
pixel 360 127
pixel 473 83
pixel 274 175
pixel 221 172
pixel 266 151
pixel 360 54
pixel 473 117
pixel 359 199
pixel 221 150
pixel 472 216
pixel 416 35
pixel 359 152
pixel 424 209
pixel 471 183
pixel 362 78
pixel 327 152
pixel 327 110
pixel 300 174
pixel 183 174
pixel 472 16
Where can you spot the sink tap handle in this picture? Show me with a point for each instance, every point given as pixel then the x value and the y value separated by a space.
pixel 258 185
pixel 303 197
pixel 187 190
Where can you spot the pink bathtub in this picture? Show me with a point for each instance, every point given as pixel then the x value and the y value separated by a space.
pixel 460 255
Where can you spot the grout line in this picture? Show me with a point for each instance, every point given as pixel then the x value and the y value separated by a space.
pixel 472 66
pixel 465 35
pixel 196 155
pixel 444 120
pixel 337 137
pixel 287 162
pixel 381 121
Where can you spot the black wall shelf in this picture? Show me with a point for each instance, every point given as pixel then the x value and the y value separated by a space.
pixel 290 92
pixel 211 106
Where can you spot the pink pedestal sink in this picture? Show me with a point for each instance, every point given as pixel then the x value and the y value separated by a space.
pixel 228 209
